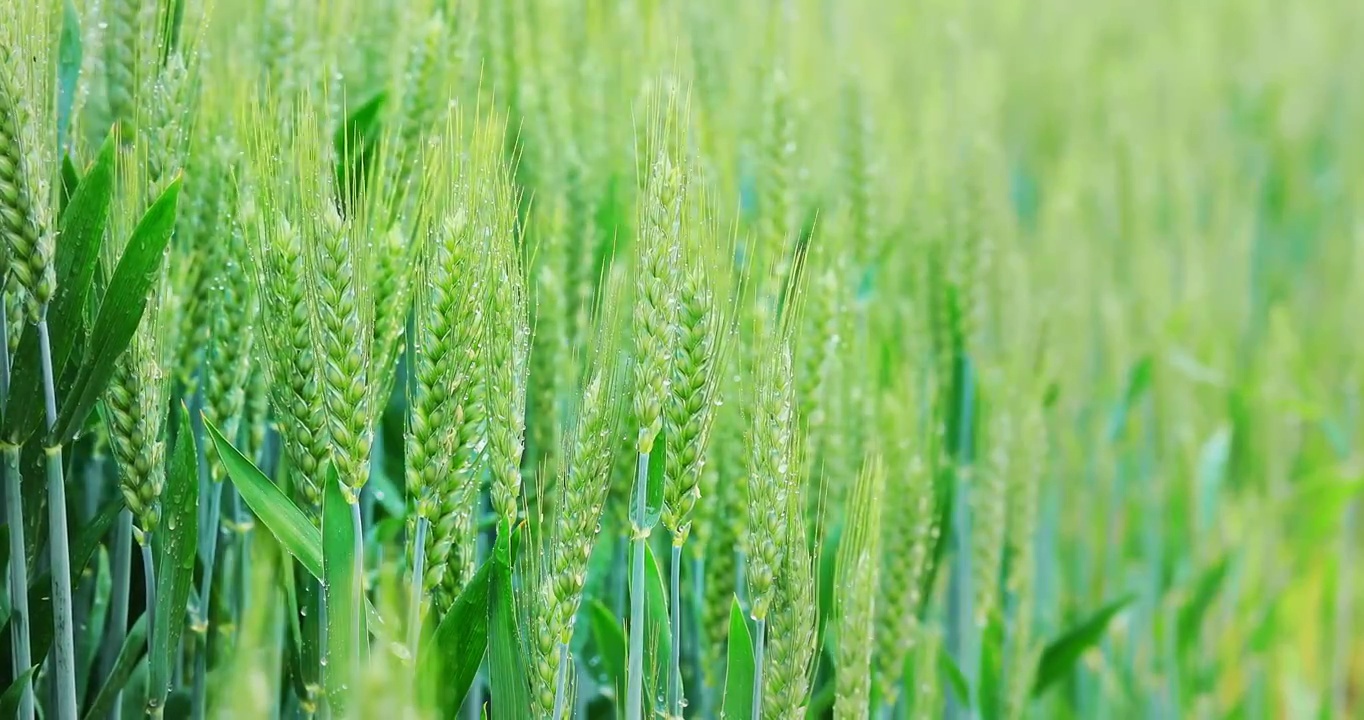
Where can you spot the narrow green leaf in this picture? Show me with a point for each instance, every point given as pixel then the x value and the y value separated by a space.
pixel 1212 472
pixel 956 679
pixel 608 637
pixel 456 649
pixel 40 584
pixel 69 52
pixel 71 179
pixel 80 237
pixel 175 561
pixel 341 591
pixel 295 533
pixel 88 648
pixel 506 661
pixel 992 686
pixel 1205 591
pixel 6 602
pixel 1060 655
pixel 657 630
pixel 120 312
pixel 9 702
pixel 1138 380
pixel 739 668
pixel 128 657
pixel 822 701
pixel 653 502
pixel 828 557
pixel 356 141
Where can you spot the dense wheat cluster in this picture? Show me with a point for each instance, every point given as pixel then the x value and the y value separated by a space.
pixel 681 359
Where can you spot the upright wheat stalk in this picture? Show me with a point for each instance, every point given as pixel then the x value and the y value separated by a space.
pixel 654 319
pixel 770 471
pixel 858 563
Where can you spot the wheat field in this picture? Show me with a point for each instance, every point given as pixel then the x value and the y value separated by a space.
pixel 977 360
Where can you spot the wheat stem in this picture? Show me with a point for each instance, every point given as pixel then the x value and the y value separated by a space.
pixel 18 575
pixel 18 559
pixel 64 651
pixel 675 668
pixel 634 696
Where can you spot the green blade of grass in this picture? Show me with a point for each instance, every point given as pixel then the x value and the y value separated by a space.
pixel 77 257
pixel 295 533
pixel 9 702
pixel 1061 654
pixel 120 313
pixel 657 630
pixel 40 587
pixel 88 648
pixel 739 668
pixel 175 562
pixel 459 643
pixel 608 637
pixel 341 593
pixel 128 658
pixel 507 667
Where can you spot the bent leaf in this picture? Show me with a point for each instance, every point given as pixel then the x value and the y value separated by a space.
pixel 128 658
pixel 1060 655
pixel 120 313
pixel 295 533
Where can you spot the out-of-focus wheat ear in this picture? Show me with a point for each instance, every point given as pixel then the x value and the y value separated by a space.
pixel 770 446
pixel 777 227
pixel 1023 487
pixel 421 79
pixel 794 618
pixel 394 262
pixel 906 542
pixel 988 495
pixel 728 510
pixel 855 604
pixel 232 315
pixel 551 376
pixel 122 20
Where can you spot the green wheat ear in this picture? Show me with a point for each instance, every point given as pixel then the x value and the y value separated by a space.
pixel 858 568
pixel 794 617
pixel 700 331
pixel 506 347
pixel 770 469
pixel 135 405
pixel 25 214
